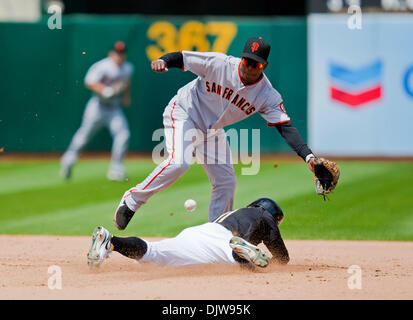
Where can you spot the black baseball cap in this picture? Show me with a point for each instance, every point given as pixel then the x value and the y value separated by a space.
pixel 119 47
pixel 256 49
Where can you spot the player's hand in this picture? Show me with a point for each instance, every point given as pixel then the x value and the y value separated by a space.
pixel 159 66
pixel 108 92
pixel 310 164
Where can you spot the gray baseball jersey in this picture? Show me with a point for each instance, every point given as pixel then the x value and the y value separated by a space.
pixel 110 74
pixel 215 99
pixel 218 97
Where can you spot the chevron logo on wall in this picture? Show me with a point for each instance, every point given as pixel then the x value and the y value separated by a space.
pixel 356 87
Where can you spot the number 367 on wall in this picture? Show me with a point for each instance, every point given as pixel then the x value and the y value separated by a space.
pixel 193 35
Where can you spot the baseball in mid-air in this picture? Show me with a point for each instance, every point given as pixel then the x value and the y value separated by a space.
pixel 190 205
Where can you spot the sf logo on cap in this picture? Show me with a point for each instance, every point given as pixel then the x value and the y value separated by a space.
pixel 255 46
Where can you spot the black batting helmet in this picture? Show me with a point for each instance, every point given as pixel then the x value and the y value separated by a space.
pixel 271 206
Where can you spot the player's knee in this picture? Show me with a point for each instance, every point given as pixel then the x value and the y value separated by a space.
pixel 233 181
pixel 179 168
pixel 124 136
pixel 228 182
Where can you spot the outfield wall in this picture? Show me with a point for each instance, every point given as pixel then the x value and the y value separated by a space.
pixel 42 96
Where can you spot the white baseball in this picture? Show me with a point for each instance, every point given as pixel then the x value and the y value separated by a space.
pixel 190 205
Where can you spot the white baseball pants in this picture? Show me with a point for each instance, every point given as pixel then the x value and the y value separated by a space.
pixel 212 151
pixel 204 244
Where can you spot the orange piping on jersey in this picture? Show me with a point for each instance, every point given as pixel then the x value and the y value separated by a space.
pixel 269 124
pixel 251 84
pixel 173 147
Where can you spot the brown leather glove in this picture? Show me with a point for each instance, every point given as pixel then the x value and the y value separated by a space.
pixel 326 175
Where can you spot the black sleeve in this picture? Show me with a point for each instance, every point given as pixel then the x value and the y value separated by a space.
pixel 173 59
pixel 293 139
pixel 276 245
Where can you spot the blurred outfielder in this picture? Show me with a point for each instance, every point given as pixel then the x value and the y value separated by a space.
pixel 109 81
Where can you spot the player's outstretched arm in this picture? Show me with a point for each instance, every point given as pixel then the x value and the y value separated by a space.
pixel 296 142
pixel 326 172
pixel 97 87
pixel 169 60
pixel 277 247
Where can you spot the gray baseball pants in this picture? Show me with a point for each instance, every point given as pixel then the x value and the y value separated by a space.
pixel 182 138
pixel 94 118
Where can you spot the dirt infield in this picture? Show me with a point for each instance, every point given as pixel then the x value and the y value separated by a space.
pixel 317 270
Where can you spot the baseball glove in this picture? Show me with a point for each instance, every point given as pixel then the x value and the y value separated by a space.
pixel 119 85
pixel 326 175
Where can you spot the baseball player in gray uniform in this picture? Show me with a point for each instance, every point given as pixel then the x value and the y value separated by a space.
pixel 109 81
pixel 227 90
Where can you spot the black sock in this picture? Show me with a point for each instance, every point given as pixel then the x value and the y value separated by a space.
pixel 131 247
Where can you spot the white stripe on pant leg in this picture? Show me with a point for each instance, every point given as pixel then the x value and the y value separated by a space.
pixel 204 244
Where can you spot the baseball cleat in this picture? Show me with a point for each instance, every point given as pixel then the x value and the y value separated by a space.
pixel 116 176
pixel 249 252
pixel 100 247
pixel 122 216
pixel 66 172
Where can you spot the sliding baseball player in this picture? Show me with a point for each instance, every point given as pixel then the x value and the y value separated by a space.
pixel 231 239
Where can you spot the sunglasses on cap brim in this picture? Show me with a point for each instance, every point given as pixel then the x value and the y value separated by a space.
pixel 252 63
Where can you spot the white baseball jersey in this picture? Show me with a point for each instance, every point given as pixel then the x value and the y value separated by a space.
pixel 109 73
pixel 218 97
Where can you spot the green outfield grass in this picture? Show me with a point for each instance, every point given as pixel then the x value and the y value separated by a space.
pixel 373 201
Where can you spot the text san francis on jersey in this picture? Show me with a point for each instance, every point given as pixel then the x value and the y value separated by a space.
pixel 209 309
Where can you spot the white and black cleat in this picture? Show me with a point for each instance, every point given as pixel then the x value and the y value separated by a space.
pixel 249 252
pixel 100 247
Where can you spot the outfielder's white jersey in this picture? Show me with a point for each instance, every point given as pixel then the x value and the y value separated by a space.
pixel 108 72
pixel 218 97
